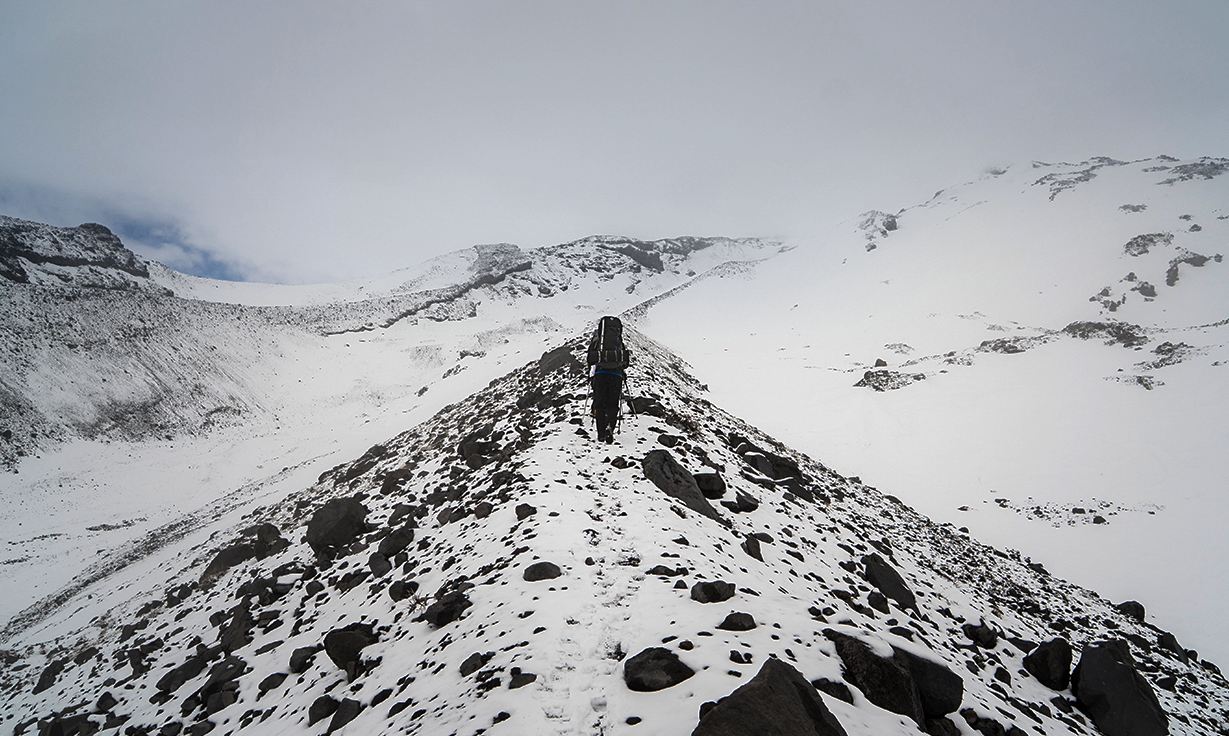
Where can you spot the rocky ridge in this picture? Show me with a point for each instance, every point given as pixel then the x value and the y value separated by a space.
pixel 78 303
pixel 493 570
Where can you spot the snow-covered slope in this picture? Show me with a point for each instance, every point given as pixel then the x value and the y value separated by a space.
pixel 508 574
pixel 1058 338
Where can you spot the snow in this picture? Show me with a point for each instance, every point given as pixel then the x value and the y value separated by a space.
pixel 1054 424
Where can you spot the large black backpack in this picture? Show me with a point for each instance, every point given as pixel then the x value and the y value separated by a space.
pixel 606 349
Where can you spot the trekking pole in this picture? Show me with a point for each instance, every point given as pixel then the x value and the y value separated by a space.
pixel 628 397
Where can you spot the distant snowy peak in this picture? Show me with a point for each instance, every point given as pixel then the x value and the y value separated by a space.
pixel 88 256
pixel 1063 177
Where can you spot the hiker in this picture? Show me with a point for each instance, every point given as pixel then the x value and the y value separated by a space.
pixel 608 359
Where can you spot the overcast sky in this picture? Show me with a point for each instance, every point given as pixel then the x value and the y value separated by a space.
pixel 306 142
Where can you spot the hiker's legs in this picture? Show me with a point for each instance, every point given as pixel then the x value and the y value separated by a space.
pixel 606 392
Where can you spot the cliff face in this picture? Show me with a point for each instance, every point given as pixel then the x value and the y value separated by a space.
pixel 495 570
pixel 88 255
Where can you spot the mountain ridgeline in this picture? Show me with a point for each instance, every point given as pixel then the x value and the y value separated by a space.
pixel 98 345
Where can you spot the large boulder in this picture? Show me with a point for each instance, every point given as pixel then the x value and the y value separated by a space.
pixel 712 485
pixel 778 700
pixel 344 645
pixel 447 609
pixel 714 591
pixel 397 540
pixel 542 571
pixel 940 689
pixel 269 540
pixel 1134 609
pixel 1050 663
pixel 560 357
pixel 655 668
pixel 1117 698
pixel 336 524
pixel 673 479
pixel 225 559
pixel 737 622
pixel 889 582
pixel 883 680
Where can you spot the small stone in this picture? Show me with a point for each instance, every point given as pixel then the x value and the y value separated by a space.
pixel 271 682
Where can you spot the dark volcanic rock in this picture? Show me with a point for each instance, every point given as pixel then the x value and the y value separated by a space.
pixel 712 592
pixel 50 672
pixel 1117 697
pixel 981 635
pixel 838 690
pixel 712 485
pixel 347 710
pixel 751 545
pixel 542 571
pixel 737 622
pixel 1050 663
pixel 524 511
pixel 272 682
pixel 173 680
pixel 397 540
pixel 1169 643
pixel 225 559
pixel 323 707
pixel 447 609
pixel 743 503
pixel 344 645
pixel 655 668
pixel 401 589
pixel 336 524
pixel 940 689
pixel 236 634
pixel 672 479
pixel 301 658
pixel 1134 609
pixel 269 541
pixel 889 582
pixel 778 700
pixel 520 679
pixel 560 357
pixel 474 662
pixel 885 682
pixel 379 564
